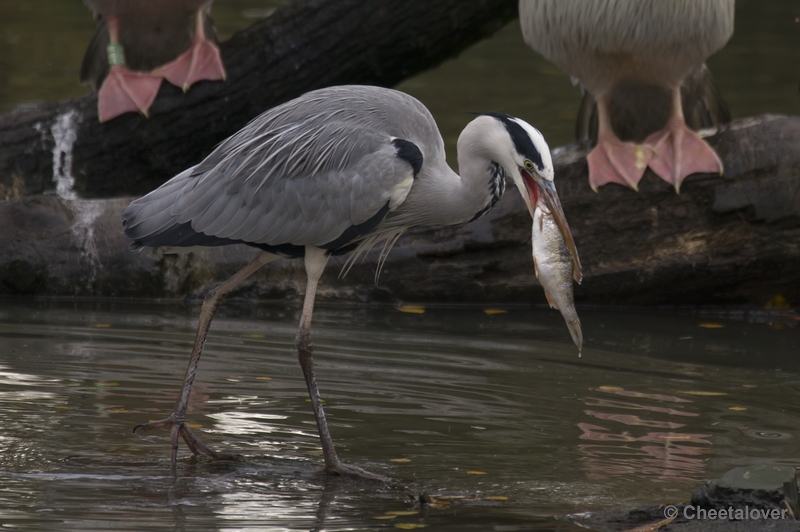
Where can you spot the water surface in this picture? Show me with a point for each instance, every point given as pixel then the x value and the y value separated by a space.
pixel 494 414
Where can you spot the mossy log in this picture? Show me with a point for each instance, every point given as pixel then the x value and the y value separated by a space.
pixel 732 239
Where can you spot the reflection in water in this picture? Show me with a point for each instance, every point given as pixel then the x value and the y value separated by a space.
pixel 661 456
pixel 425 399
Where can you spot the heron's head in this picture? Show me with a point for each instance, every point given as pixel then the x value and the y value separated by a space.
pixel 525 157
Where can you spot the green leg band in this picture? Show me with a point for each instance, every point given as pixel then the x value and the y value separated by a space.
pixel 115 54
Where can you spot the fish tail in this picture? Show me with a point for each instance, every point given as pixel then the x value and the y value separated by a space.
pixel 574 326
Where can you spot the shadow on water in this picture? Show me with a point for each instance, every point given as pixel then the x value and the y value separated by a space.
pixel 494 415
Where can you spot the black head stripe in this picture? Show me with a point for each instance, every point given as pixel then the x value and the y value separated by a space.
pixel 522 141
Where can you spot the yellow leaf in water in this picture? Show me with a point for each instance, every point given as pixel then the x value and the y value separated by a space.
pixel 711 325
pixel 611 388
pixel 309 400
pixel 263 378
pixel 702 394
pixel 118 409
pixel 737 408
pixel 100 325
pixel 492 311
pixel 400 460
pixel 675 437
pixel 385 517
pixel 403 512
pixel 63 407
pixel 256 336
pixel 194 425
pixel 409 526
pixel 476 472
pixel 495 498
pixel 412 309
pixel 108 384
pixel 778 303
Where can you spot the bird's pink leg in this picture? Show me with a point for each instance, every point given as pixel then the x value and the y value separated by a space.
pixel 612 160
pixel 679 151
pixel 123 90
pixel 177 420
pixel 201 61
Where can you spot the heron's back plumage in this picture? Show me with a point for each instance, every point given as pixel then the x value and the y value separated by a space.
pixel 324 170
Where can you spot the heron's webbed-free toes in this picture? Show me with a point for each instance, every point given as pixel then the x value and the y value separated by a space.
pixel 345 470
pixel 180 428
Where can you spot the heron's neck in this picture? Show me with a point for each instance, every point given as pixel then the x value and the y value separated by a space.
pixel 483 181
pixel 442 197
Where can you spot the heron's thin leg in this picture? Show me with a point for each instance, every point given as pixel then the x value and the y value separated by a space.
pixel 315 262
pixel 177 420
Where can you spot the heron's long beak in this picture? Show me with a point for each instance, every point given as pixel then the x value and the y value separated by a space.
pixel 537 187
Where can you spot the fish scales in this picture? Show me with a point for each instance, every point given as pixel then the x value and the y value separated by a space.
pixel 553 264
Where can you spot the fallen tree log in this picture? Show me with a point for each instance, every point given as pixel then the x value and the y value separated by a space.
pixel 304 45
pixel 724 239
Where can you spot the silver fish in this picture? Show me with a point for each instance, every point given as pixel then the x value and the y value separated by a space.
pixel 555 268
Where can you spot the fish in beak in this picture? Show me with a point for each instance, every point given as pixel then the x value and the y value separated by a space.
pixel 540 188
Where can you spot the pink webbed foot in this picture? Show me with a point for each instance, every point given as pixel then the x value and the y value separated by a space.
pixel 201 61
pixel 680 153
pixel 125 91
pixel 614 161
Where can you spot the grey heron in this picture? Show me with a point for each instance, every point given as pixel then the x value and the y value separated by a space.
pixel 336 170
pixel 140 42
pixel 633 57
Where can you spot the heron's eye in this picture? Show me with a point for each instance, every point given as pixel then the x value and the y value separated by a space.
pixel 528 165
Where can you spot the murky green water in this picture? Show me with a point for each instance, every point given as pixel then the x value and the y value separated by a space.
pixel 658 402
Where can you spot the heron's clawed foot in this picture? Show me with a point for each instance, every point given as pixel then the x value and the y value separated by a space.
pixel 178 428
pixel 345 470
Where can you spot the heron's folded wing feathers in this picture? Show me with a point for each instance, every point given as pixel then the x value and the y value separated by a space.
pixel 298 182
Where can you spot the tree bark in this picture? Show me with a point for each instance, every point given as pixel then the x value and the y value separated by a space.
pixel 724 239
pixel 304 45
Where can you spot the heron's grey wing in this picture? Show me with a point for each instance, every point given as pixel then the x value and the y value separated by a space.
pixel 295 183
